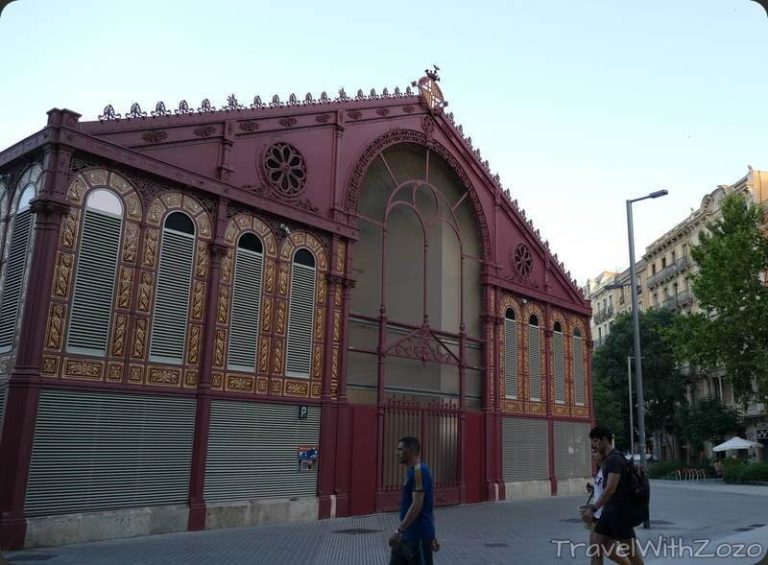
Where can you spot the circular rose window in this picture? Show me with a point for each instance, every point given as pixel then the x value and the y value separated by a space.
pixel 523 260
pixel 284 169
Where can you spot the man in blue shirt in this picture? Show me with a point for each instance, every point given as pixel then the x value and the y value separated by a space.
pixel 414 540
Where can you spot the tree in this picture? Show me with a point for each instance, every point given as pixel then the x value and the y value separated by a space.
pixel 732 332
pixel 663 384
pixel 707 420
pixel 608 410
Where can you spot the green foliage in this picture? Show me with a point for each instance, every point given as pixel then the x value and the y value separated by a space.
pixel 663 384
pixel 739 471
pixel 608 411
pixel 733 331
pixel 708 420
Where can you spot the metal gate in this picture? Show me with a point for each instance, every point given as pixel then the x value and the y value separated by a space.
pixel 437 426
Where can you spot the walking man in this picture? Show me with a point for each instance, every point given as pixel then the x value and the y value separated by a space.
pixel 613 533
pixel 414 539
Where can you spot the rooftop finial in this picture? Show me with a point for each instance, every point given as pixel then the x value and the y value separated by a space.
pixel 433 73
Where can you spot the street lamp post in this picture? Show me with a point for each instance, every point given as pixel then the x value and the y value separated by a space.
pixel 636 322
pixel 631 409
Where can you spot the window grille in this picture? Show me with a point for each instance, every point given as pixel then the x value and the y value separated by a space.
pixel 559 358
pixel 510 354
pixel 15 269
pixel 301 315
pixel 534 359
pixel 578 368
pixel 246 303
pixel 169 325
pixel 94 282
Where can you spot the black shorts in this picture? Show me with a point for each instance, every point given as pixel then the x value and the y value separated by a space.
pixel 412 552
pixel 615 526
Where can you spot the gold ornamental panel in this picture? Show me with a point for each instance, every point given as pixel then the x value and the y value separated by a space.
pixel 124 287
pixel 264 355
pixel 76 190
pixel 151 237
pixel 69 228
pixel 217 381
pixel 83 369
pixel 282 281
pixel 96 177
pixel 193 355
pixel 162 376
pixel 198 297
pixel 276 386
pixel 115 372
pixel 223 314
pixel 315 390
pixel 192 206
pixel 537 408
pixel 262 384
pixel 240 383
pixel 145 292
pixel 190 379
pixel 133 206
pixel 219 346
pixel 119 331
pixel 201 259
pixel 269 277
pixel 65 265
pixel 50 366
pixel 131 242
pixel 140 338
pixel 296 388
pixel 56 314
pixel 136 375
pixel 171 199
pixel 317 361
pixel 266 317
pixel 280 325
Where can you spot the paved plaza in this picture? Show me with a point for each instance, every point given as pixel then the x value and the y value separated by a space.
pixel 520 532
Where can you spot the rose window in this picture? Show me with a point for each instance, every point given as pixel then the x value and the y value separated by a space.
pixel 523 260
pixel 285 169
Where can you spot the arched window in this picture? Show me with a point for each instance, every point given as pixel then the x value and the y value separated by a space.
pixel 558 352
pixel 174 278
pixel 246 304
pixel 95 275
pixel 534 358
pixel 578 368
pixel 510 354
pixel 17 253
pixel 301 315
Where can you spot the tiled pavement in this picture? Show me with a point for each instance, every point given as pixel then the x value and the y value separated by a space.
pixel 520 532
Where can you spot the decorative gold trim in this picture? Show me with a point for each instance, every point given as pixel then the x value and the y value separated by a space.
pixel 217 380
pixel 136 374
pixel 194 344
pixel 83 369
pixel 50 366
pixel 118 335
pixel 56 314
pixel 296 388
pixel 240 383
pixel 151 238
pixel 198 297
pixel 124 287
pixel 140 338
pixel 131 242
pixel 221 340
pixel 262 383
pixel 163 376
pixel 145 292
pixel 190 379
pixel 115 372
pixel 64 266
pixel 276 386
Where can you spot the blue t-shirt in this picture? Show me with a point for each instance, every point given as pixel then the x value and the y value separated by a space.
pixel 418 478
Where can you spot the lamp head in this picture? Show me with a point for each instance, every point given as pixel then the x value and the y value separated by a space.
pixel 658 193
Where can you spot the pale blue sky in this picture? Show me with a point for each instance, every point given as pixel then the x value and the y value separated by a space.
pixel 578 105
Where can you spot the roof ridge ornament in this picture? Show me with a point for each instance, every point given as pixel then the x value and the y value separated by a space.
pixel 429 92
pixel 205 106
pixel 160 110
pixel 109 114
pixel 232 104
pixel 135 112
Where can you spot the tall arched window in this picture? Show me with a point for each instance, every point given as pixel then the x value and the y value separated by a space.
pixel 246 304
pixel 578 367
pixel 301 315
pixel 510 354
pixel 534 358
pixel 174 278
pixel 17 253
pixel 95 276
pixel 558 352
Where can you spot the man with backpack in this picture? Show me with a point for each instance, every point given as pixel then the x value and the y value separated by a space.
pixel 621 504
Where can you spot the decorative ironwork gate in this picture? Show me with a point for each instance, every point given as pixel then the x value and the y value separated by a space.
pixel 437 426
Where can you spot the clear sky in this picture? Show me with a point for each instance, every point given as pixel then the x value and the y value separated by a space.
pixel 578 105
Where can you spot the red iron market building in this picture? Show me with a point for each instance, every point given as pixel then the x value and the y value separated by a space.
pixel 221 317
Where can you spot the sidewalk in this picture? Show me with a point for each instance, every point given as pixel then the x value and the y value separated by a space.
pixel 525 532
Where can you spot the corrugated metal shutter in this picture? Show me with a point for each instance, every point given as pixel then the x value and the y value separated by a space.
pixel 14 277
pixel 559 355
pixel 534 362
pixel 526 457
pixel 510 357
pixel 169 326
pixel 244 328
pixel 94 284
pixel 300 321
pixel 252 451
pixel 572 450
pixel 578 370
pixel 100 451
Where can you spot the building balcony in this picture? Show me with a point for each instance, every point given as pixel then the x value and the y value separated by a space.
pixel 668 272
pixel 603 315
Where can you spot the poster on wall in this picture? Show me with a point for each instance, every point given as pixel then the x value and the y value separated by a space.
pixel 307 455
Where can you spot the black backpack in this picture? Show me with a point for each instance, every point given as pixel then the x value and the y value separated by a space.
pixel 637 492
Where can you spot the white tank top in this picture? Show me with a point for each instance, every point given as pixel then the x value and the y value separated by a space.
pixel 599 488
